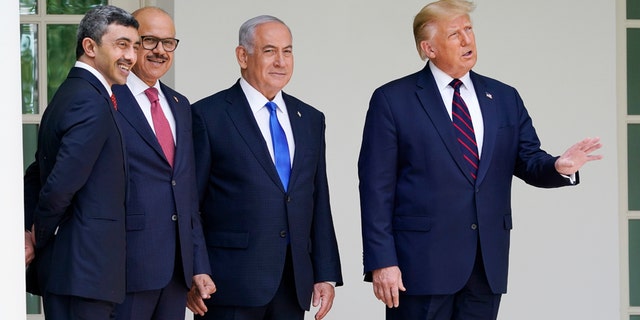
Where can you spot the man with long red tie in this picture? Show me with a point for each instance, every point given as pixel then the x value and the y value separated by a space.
pixel 166 253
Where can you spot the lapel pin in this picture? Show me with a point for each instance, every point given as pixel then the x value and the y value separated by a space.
pixel 175 98
pixel 488 95
pixel 299 115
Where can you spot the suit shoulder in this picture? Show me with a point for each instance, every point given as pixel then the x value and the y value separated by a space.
pixel 293 102
pixel 408 81
pixel 173 94
pixel 490 82
pixel 212 101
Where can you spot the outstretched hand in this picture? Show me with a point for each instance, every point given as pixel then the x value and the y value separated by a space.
pixel 577 155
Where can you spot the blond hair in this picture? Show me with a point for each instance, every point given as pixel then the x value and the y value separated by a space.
pixel 425 20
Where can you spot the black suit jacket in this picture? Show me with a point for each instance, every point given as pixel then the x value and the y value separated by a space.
pixel 162 202
pixel 80 174
pixel 247 215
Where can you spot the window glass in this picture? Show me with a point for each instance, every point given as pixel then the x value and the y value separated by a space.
pixel 634 263
pixel 29 67
pixel 72 7
pixel 61 54
pixel 633 160
pixel 633 12
pixel 28 7
pixel 29 143
pixel 633 71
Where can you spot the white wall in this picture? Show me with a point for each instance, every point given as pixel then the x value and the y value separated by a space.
pixel 12 297
pixel 559 54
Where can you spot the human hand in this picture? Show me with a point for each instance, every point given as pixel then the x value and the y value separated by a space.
pixel 29 247
pixel 387 282
pixel 323 294
pixel 202 288
pixel 577 155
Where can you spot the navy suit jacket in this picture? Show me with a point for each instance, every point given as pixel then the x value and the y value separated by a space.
pixel 420 208
pixel 162 202
pixel 248 218
pixel 79 173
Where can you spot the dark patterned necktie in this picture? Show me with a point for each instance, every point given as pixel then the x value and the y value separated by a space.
pixel 464 129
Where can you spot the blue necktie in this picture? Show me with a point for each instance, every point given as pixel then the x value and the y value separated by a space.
pixel 280 145
pixel 464 129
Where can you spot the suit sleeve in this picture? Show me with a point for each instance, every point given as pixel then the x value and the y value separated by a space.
pixel 377 171
pixel 202 151
pixel 533 165
pixel 325 256
pixel 84 128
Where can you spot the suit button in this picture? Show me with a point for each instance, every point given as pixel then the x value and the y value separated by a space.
pixel 173 183
pixel 474 226
pixel 283 234
pixel 288 199
pixel 174 217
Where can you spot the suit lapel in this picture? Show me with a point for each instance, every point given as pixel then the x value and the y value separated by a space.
pixel 178 108
pixel 490 122
pixel 130 110
pixel 299 127
pixel 243 119
pixel 437 113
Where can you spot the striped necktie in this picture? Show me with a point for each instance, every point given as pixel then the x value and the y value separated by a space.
pixel 465 134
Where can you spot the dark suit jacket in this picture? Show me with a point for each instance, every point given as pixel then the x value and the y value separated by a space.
pixel 420 207
pixel 79 214
pixel 247 215
pixel 162 203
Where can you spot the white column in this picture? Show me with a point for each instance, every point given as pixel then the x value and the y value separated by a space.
pixel 12 294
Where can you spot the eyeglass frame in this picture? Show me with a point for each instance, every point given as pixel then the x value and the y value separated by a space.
pixel 157 42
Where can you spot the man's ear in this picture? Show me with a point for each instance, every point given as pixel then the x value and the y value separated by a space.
pixel 428 49
pixel 89 47
pixel 241 56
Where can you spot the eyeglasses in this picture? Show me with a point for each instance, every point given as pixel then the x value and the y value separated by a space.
pixel 151 42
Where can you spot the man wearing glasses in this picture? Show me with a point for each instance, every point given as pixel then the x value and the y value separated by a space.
pixel 166 253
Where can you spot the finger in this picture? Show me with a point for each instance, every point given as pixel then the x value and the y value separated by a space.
pixel 325 306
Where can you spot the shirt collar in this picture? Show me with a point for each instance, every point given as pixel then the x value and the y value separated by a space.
pixel 257 100
pixel 96 73
pixel 137 86
pixel 443 79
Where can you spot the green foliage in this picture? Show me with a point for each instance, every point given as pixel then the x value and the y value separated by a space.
pixel 71 6
pixel 61 54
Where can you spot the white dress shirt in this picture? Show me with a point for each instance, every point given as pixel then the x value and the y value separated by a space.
pixel 137 88
pixel 257 103
pixel 468 93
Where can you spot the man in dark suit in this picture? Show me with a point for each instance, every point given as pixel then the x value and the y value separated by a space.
pixel 166 252
pixel 79 173
pixel 265 206
pixel 439 150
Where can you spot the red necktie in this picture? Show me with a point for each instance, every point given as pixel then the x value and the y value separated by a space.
pixel 115 103
pixel 161 125
pixel 464 129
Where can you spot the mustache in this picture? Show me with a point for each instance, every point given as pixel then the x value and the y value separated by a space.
pixel 157 56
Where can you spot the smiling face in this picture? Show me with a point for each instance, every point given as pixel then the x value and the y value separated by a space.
pixel 269 65
pixel 115 55
pixel 153 64
pixel 452 48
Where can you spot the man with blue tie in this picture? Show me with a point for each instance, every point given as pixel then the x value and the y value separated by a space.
pixel 440 148
pixel 262 181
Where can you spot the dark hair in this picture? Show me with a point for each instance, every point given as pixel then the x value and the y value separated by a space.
pixel 95 22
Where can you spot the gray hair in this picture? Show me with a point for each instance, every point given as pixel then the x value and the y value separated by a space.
pixel 248 30
pixel 95 22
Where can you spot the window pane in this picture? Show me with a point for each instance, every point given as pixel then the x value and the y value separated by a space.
pixel 634 263
pixel 61 54
pixel 28 7
pixel 633 71
pixel 33 304
pixel 634 318
pixel 29 67
pixel 29 143
pixel 72 7
pixel 633 12
pixel 633 160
